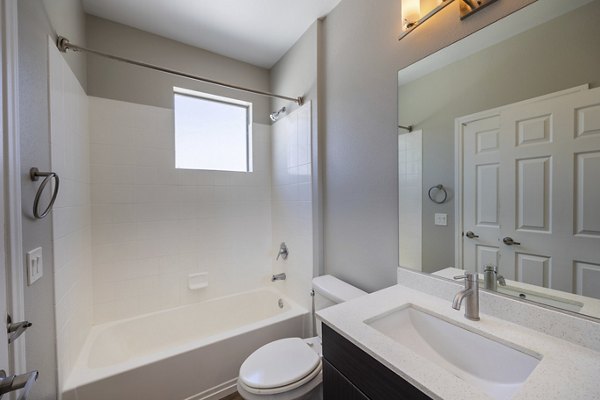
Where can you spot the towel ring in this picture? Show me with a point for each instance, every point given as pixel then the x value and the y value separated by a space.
pixel 35 175
pixel 440 188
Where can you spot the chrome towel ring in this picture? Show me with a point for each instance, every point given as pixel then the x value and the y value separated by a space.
pixel 439 188
pixel 35 175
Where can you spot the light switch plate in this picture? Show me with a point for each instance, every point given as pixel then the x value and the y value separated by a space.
pixel 441 219
pixel 35 266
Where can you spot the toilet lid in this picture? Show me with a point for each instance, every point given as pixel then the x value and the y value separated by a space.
pixel 279 364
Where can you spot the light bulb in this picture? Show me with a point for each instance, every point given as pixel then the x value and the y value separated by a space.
pixel 411 12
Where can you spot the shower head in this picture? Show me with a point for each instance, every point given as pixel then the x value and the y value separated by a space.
pixel 275 115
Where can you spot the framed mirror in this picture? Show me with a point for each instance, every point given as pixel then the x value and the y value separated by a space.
pixel 501 172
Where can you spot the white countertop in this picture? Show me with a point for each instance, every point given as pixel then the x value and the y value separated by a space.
pixel 566 370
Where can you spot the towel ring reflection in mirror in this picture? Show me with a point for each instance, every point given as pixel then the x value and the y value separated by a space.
pixel 434 191
pixel 35 175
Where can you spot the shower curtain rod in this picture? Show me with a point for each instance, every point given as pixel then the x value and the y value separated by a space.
pixel 63 45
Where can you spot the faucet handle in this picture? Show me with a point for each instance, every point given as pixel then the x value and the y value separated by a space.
pixel 470 276
pixel 501 280
pixel 490 268
pixel 283 251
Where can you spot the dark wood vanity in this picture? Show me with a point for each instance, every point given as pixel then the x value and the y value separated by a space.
pixel 351 374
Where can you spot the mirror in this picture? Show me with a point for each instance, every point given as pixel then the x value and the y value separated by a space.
pixel 501 172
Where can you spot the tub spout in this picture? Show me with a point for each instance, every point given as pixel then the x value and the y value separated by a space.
pixel 278 277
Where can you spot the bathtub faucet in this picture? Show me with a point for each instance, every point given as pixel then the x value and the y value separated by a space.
pixel 278 277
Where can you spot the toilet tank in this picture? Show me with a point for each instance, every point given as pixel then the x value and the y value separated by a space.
pixel 330 291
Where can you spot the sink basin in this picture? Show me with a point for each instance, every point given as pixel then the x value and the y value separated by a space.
pixel 497 369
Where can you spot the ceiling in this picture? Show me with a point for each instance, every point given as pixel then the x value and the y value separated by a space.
pixel 255 31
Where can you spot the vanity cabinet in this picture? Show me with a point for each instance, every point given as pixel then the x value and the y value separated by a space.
pixel 337 386
pixel 351 374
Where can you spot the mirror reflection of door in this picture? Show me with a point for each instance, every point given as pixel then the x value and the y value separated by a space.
pixel 531 189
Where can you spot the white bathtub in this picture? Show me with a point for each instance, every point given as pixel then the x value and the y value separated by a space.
pixel 190 352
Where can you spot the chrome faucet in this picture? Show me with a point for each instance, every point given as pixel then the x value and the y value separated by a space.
pixel 471 293
pixel 278 277
pixel 491 278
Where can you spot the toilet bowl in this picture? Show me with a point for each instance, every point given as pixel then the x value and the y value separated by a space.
pixel 290 369
pixel 285 369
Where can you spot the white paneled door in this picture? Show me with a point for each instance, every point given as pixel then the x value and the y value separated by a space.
pixel 531 191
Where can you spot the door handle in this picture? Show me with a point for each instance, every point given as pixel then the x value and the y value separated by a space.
pixel 510 242
pixel 15 382
pixel 471 235
pixel 16 329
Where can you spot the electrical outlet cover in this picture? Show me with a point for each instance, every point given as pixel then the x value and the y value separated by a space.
pixel 441 219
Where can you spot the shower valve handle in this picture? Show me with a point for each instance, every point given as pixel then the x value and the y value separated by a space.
pixel 283 252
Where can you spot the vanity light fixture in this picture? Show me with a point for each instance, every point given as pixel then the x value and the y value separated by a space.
pixel 469 7
pixel 411 13
pixel 415 12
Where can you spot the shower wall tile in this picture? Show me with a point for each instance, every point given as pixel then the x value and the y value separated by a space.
pixel 153 224
pixel 291 196
pixel 410 177
pixel 70 158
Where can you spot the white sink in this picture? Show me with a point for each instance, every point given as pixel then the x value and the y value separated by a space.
pixel 497 369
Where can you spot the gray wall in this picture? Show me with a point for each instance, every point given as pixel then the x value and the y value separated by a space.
pixel 519 68
pixel 361 59
pixel 114 80
pixel 298 73
pixel 34 29
pixel 295 73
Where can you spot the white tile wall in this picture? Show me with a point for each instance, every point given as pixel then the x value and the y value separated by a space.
pixel 153 225
pixel 410 194
pixel 292 202
pixel 70 155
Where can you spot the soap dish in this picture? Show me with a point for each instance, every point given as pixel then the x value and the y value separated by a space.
pixel 198 281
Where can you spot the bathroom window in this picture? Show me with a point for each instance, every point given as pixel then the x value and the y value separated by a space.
pixel 212 133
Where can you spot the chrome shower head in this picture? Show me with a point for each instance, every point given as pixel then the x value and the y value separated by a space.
pixel 275 115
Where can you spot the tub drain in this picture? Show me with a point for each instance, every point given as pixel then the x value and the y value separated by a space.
pixel 280 303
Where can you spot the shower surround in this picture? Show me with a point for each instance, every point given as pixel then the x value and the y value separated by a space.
pixel 153 225
pixel 291 202
pixel 129 228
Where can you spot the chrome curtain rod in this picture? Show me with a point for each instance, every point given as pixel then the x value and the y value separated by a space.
pixel 63 45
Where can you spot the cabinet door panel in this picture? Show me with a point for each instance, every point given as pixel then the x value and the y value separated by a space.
pixel 337 387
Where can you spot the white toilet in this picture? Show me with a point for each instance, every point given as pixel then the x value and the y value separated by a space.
pixel 290 369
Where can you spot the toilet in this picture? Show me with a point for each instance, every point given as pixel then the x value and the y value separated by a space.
pixel 290 369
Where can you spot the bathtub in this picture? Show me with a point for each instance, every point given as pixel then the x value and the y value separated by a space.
pixel 188 353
